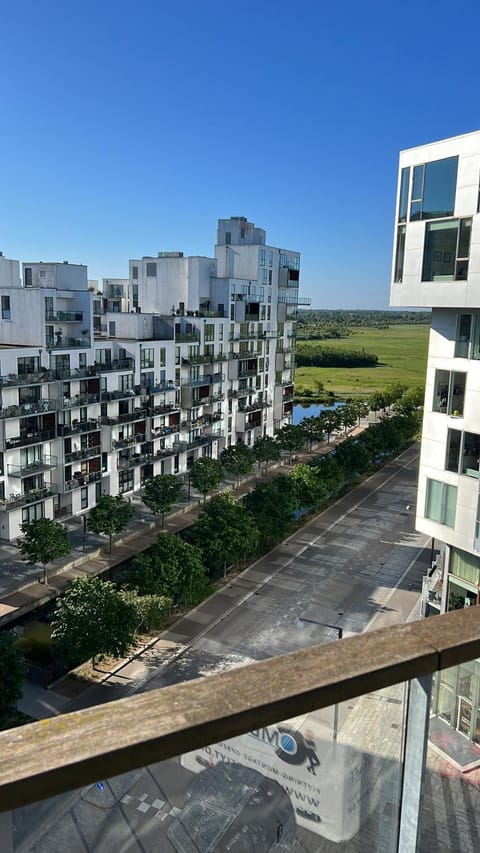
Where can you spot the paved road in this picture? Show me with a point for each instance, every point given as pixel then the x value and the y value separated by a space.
pixel 357 565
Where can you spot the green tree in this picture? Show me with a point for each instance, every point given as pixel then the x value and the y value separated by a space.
pixel 161 493
pixel 272 505
pixel 206 475
pixel 171 567
pixel 331 421
pixel 237 459
pixel 309 489
pixel 329 473
pixel 360 407
pixel 377 401
pixel 112 514
pixel 347 416
pixel 290 438
pixel 225 532
pixel 12 669
pixel 353 457
pixel 151 610
pixel 92 620
pixel 411 400
pixel 266 450
pixel 43 541
pixel 312 430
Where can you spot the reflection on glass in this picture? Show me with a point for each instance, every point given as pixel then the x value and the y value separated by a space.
pixel 439 188
pixel 464 330
pixel 453 449
pixel 403 201
pixel 400 253
pixel 440 251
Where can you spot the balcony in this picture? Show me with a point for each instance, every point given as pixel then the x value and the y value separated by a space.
pixel 166 409
pixel 245 373
pixel 84 453
pixel 182 446
pixel 371 781
pixel 133 461
pixel 189 338
pixel 78 428
pixel 64 316
pixel 46 463
pixel 15 501
pixel 115 365
pixel 79 480
pixel 79 400
pixel 128 417
pixel 254 407
pixel 36 407
pixel 68 343
pixel 160 432
pixel 197 359
pixel 162 389
pixel 292 299
pixel 29 437
pixel 117 443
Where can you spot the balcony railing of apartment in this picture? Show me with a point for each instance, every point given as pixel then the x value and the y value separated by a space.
pixel 79 480
pixel 64 316
pixel 371 776
pixel 159 432
pixel 29 437
pixel 84 453
pixel 240 392
pixel 198 359
pixel 162 389
pixel 287 398
pixel 255 406
pixel 187 338
pixel 165 409
pixel 244 373
pixel 76 428
pixel 15 501
pixel 116 364
pixel 128 417
pixel 182 446
pixel 209 401
pixel 132 461
pixel 32 468
pixel 68 343
pixel 292 299
pixel 79 400
pixel 35 407
pixel 126 394
pixel 117 443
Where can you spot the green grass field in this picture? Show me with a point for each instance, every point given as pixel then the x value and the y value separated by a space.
pixel 402 357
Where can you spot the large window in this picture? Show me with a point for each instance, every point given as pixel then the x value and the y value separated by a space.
pixel 6 308
pixel 446 251
pixel 433 189
pixel 146 357
pixel 467 342
pixel 463 452
pixel 441 502
pixel 449 392
pixel 151 270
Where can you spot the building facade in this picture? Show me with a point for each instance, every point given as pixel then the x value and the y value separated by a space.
pixel 437 264
pixel 106 386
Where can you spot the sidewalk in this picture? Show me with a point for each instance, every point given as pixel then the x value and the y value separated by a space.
pixel 20 590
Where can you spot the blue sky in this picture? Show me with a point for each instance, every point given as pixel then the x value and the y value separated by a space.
pixel 130 128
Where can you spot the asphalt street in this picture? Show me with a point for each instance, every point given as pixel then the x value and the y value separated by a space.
pixel 356 566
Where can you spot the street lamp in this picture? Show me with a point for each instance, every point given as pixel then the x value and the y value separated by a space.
pixel 339 630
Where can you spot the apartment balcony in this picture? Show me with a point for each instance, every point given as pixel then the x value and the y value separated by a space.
pixel 197 359
pixel 159 432
pixel 240 392
pixel 117 443
pixel 16 501
pixel 247 372
pixel 188 338
pixel 79 400
pixel 115 365
pixel 29 437
pixel 255 406
pixel 84 453
pixel 36 407
pixel 46 463
pixel 293 299
pixel 183 446
pixel 134 461
pixel 64 316
pixel 68 343
pixel 162 389
pixel 78 428
pixel 372 765
pixel 165 409
pixel 78 480
pixel 128 417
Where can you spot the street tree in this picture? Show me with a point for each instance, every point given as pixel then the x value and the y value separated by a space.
pixel 206 474
pixel 237 459
pixel 162 493
pixel 347 416
pixel 353 457
pixel 225 532
pixel 151 610
pixel 266 450
pixel 360 407
pixel 44 540
pixel 272 505
pixel 309 490
pixel 92 620
pixel 377 401
pixel 330 419
pixel 171 567
pixel 12 669
pixel 112 514
pixel 312 430
pixel 290 438
pixel 329 473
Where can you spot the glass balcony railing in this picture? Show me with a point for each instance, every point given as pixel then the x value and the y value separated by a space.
pixel 68 343
pixel 17 500
pixel 79 480
pixel 35 407
pixel 77 428
pixel 329 748
pixel 64 316
pixel 29 437
pixel 46 463
pixel 83 453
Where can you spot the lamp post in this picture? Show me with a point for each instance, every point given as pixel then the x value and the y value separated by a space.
pixel 339 630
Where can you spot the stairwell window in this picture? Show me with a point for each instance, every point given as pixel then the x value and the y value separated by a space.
pixel 441 502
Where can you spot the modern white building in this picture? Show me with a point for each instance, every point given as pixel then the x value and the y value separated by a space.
pixel 437 264
pixel 105 387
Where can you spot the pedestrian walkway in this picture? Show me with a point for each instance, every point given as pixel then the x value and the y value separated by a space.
pixel 21 591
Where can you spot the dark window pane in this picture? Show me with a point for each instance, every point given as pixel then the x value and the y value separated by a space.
pixel 458 394
pixel 440 394
pixel 464 238
pixel 415 211
pixel 403 202
pixel 151 270
pixel 417 189
pixel 439 188
pixel 453 449
pixel 461 271
pixel 400 253
pixel 463 335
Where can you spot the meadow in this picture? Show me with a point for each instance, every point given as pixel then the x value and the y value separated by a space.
pixel 402 357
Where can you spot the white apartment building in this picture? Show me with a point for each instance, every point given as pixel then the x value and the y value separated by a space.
pixel 106 386
pixel 437 264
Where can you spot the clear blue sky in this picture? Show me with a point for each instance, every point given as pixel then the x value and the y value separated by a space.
pixel 128 128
